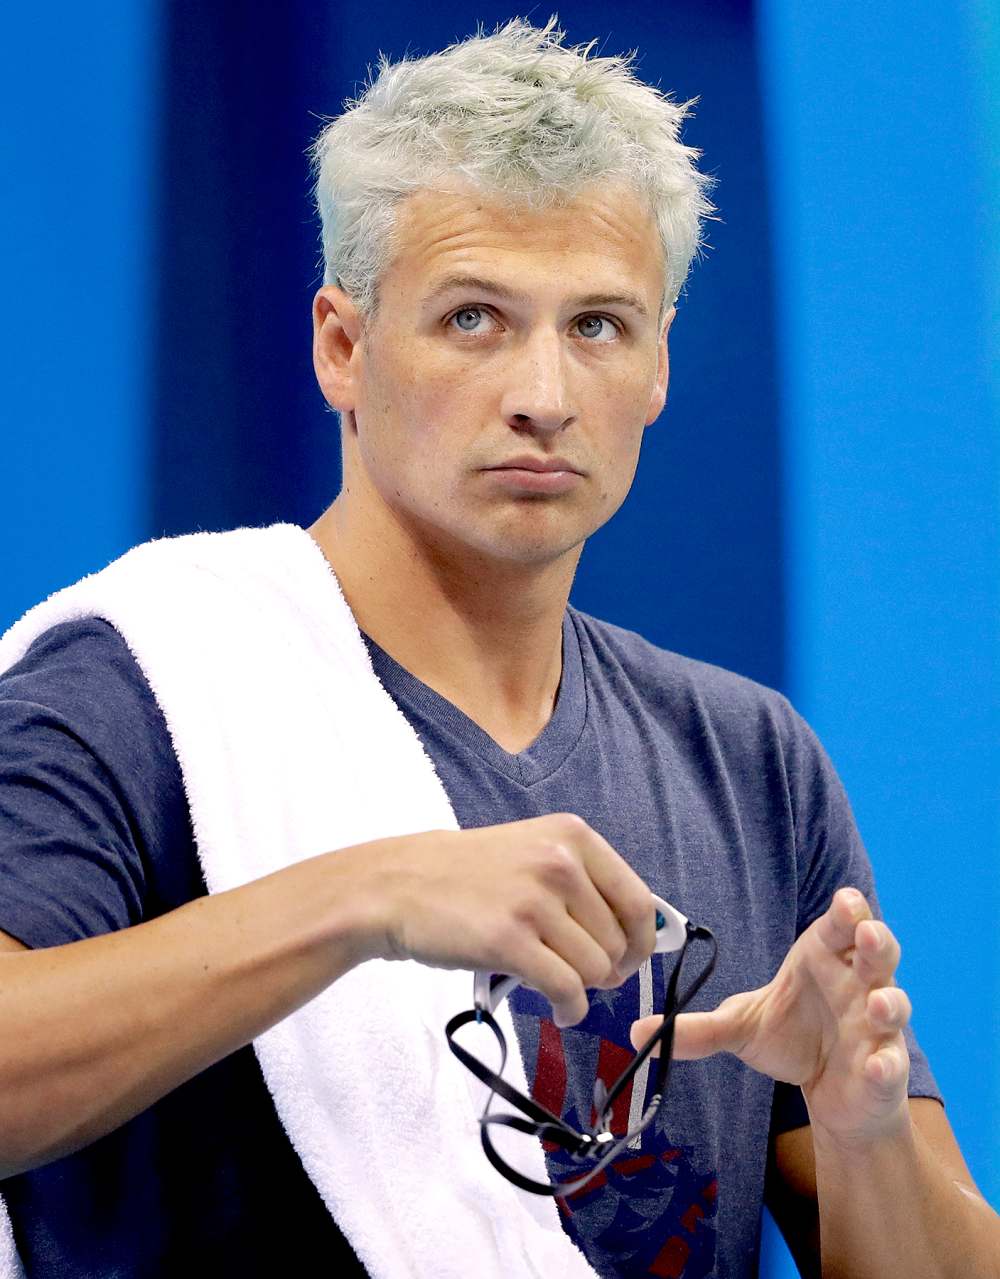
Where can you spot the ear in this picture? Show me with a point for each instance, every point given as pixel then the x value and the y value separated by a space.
pixel 659 396
pixel 336 350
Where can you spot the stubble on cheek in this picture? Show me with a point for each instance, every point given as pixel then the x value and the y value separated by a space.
pixel 409 459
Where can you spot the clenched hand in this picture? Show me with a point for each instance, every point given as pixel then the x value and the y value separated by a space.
pixel 547 899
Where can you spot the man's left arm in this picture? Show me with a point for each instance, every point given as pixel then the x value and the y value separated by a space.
pixel 867 1210
pixel 894 1195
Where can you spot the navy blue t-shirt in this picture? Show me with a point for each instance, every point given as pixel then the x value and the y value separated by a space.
pixel 709 785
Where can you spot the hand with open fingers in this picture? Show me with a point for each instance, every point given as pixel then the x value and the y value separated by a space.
pixel 831 1021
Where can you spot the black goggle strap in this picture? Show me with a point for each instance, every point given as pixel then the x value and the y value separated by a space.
pixel 542 1118
pixel 545 1125
pixel 672 1005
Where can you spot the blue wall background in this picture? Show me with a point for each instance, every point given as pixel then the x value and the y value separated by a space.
pixel 818 507
pixel 79 156
pixel 889 361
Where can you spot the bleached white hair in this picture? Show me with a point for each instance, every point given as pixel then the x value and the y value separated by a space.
pixel 516 114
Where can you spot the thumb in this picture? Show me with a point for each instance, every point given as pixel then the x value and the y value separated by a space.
pixel 695 1034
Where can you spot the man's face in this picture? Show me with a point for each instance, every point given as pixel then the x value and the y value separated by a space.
pixel 501 390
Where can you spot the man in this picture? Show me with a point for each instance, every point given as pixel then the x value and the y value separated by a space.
pixel 507 226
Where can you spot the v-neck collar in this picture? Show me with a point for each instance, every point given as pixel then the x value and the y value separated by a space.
pixel 538 760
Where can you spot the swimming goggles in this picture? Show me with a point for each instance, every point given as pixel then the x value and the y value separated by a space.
pixel 674 934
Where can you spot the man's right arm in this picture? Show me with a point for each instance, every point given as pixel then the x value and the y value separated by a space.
pixel 95 1031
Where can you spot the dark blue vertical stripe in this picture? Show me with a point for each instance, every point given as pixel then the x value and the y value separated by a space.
pixel 242 434
pixel 692 560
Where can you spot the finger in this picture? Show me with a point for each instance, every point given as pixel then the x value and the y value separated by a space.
pixel 888 1010
pixel 627 897
pixel 643 1030
pixel 592 913
pixel 887 1071
pixel 837 927
pixel 877 952
pixel 568 890
pixel 548 973
pixel 563 935
pixel 697 1035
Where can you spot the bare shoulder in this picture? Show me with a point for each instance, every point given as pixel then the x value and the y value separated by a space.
pixel 8 943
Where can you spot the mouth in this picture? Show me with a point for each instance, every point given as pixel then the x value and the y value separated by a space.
pixel 538 465
pixel 532 474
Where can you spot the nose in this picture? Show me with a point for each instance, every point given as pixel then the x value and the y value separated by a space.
pixel 538 396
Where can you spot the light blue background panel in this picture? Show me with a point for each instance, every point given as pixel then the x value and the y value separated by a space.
pixel 880 160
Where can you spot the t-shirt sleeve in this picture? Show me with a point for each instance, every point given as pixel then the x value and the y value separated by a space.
pixel 830 855
pixel 89 788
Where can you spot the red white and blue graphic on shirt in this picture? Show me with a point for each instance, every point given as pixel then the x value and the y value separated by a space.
pixel 652 1210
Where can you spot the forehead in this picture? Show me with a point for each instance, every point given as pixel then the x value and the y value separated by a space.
pixel 607 236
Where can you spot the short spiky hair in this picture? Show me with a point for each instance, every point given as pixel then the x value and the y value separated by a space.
pixel 515 114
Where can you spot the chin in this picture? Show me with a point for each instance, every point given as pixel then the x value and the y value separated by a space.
pixel 532 552
pixel 533 539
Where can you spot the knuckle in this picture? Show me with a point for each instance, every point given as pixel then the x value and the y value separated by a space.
pixel 557 868
pixel 563 828
pixel 571 825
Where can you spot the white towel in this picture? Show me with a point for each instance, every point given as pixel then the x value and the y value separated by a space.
pixel 290 747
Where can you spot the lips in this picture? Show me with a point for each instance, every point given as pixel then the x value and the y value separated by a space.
pixel 535 476
pixel 541 465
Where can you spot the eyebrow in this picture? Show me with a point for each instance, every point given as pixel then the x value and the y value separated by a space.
pixel 479 284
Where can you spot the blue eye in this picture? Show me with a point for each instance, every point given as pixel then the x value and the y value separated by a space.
pixel 472 314
pixel 590 327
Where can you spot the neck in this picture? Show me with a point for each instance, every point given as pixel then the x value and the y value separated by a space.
pixel 486 635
